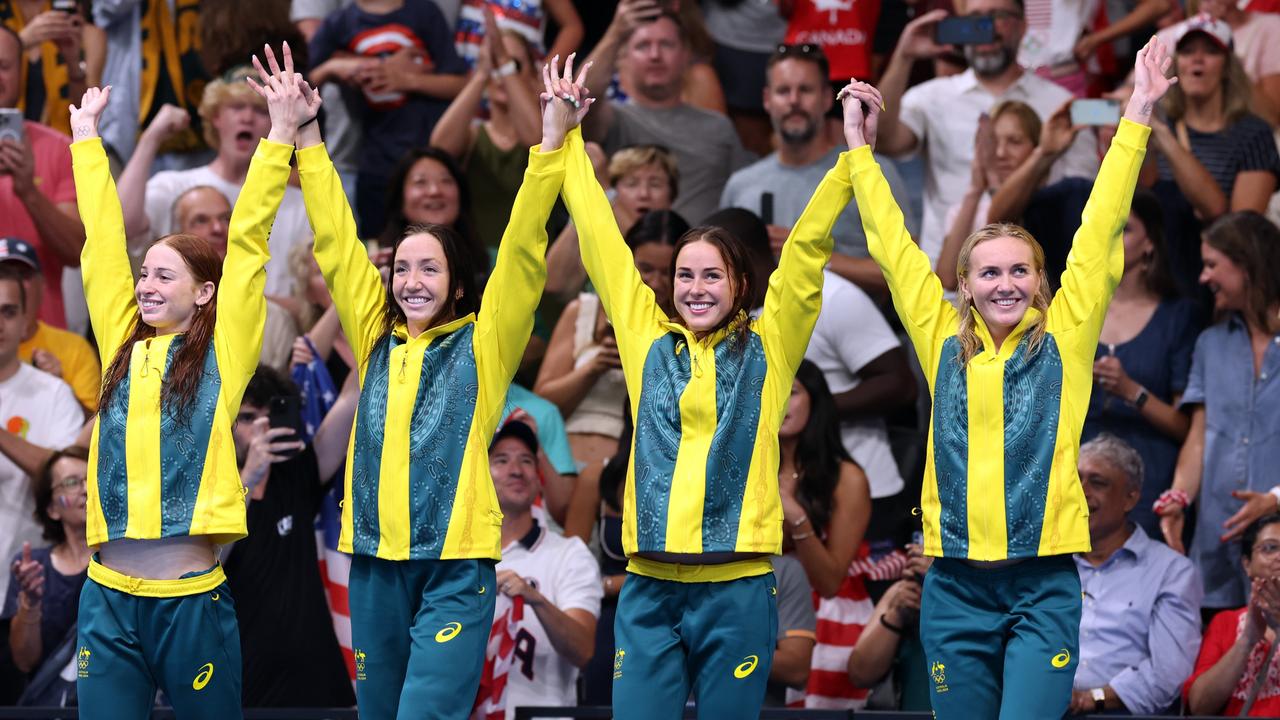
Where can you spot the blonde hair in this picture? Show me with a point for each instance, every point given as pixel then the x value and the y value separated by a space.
pixel 218 93
pixel 1237 93
pixel 1028 119
pixel 967 334
pixel 630 159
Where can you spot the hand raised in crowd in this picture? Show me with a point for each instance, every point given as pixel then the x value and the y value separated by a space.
pixel 17 162
pixel 169 121
pixel 391 73
pixel 631 14
pixel 862 105
pixel 1057 133
pixel 493 54
pixel 565 102
pixel 1173 519
pixel 265 449
pixel 47 361
pixel 519 415
pixel 916 41
pixel 1263 610
pixel 1110 374
pixel 291 102
pixel 1256 505
pixel 51 26
pixel 512 585
pixel 1149 80
pixel 301 354
pixel 984 154
pixel 606 357
pixel 29 575
pixel 84 119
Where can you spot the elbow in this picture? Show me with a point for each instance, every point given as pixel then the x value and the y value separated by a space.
pixel 828 587
pixel 863 673
pixel 583 653
pixel 792 674
pixel 1197 703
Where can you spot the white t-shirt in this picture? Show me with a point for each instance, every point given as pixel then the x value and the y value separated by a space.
pixel 566 572
pixel 291 227
pixel 43 410
pixel 943 114
pixel 850 333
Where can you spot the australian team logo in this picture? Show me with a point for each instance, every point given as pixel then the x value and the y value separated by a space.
pixel 82 661
pixel 617 662
pixel 360 656
pixel 938 672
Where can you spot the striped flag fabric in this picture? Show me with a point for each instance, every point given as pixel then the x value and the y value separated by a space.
pixel 491 698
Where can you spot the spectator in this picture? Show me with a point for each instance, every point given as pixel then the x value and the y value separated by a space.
pixel 1005 139
pixel 940 117
pixel 890 642
pixel 826 505
pixel 291 655
pixel 557 470
pixel 1143 358
pixel 1236 672
pixel 1059 43
pixel 56 351
pixel 1230 458
pixel 844 33
pixel 232 30
pixel 582 372
pixel 399 54
pixel 494 152
pixel 35 407
pixel 797 628
pixel 796 97
pixel 37 195
pixel 1140 627
pixel 1208 113
pixel 153 60
pixel 650 47
pixel 1252 34
pixel 64 56
pixel 644 178
pixel 526 18
pixel 204 211
pixel 700 86
pixel 556 577
pixel 235 120
pixel 45 591
pixel 342 124
pixel 745 34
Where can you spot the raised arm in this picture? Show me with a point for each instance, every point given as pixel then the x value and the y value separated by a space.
pixel 506 312
pixel 916 290
pixel 1096 260
pixel 169 121
pixel 108 276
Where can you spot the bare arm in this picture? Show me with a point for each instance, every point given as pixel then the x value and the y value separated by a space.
pixel 791 660
pixel 604 62
pixel 57 224
pixel 1209 694
pixel 885 384
pixel 1187 475
pixel 24 636
pixel 326 332
pixel 863 272
pixel 584 504
pixel 454 132
pixel 572 632
pixel 873 654
pixel 571 32
pixel 1014 195
pixel 827 563
pixel 29 457
pixel 1253 190
pixel 565 274
pixel 1195 182
pixel 915 43
pixel 330 442
pixel 169 121
pixel 1145 14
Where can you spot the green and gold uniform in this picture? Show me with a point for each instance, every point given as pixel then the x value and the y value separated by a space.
pixel 1000 475
pixel 154 474
pixel 703 478
pixel 421 516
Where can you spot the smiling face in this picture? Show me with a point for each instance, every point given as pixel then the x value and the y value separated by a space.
pixel 1225 279
pixel 69 495
pixel 1013 146
pixel 240 123
pixel 797 417
pixel 1201 65
pixel 420 282
pixel 431 194
pixel 1264 561
pixel 1002 278
pixel 515 474
pixel 168 293
pixel 704 288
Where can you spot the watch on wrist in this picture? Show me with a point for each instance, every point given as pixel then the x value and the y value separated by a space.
pixel 1099 699
pixel 1141 398
pixel 506 69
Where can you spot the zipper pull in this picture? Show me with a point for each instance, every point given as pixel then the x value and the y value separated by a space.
pixel 404 362
pixel 146 357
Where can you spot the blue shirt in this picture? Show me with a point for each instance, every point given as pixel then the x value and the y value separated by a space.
pixel 1241 447
pixel 1140 624
pixel 551 435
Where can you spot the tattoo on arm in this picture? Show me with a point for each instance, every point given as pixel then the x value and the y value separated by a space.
pixel 1146 109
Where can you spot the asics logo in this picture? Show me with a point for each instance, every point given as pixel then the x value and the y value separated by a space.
pixel 203 677
pixel 448 632
pixel 747 667
pixel 1061 659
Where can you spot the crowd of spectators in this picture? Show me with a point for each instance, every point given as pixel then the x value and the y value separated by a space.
pixel 708 112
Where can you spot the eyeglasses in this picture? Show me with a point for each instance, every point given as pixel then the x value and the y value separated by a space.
pixel 999 15
pixel 1267 549
pixel 71 482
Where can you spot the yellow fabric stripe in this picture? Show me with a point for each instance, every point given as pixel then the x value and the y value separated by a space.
pixel 697 427
pixel 931 503
pixel 760 521
pixel 144 587
pixel 700 573
pixel 142 436
pixel 475 527
pixel 985 488
pixel 95 521
pixel 347 517
pixel 393 484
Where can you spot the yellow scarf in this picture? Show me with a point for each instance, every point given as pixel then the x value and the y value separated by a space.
pixel 54 69
pixel 171 68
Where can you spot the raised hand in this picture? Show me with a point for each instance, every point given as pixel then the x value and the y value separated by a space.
pixel 1149 81
pixel 1057 133
pixel 916 41
pixel 168 122
pixel 29 575
pixel 565 102
pixel 862 106
pixel 84 119
pixel 984 152
pixel 289 106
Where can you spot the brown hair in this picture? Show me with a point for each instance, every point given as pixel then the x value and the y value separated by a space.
pixel 967 334
pixel 462 279
pixel 51 529
pixel 1252 242
pixel 1237 93
pixel 630 159
pixel 1028 119
pixel 186 372
pixel 737 261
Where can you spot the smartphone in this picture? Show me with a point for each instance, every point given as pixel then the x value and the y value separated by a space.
pixel 766 207
pixel 286 412
pixel 966 30
pixel 1095 112
pixel 11 127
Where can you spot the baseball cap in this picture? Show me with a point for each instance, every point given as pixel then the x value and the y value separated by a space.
pixel 1217 30
pixel 519 430
pixel 19 250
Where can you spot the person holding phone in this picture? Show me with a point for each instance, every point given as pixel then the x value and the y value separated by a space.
pixel 65 54
pixel 708 389
pixel 179 348
pixel 1010 372
pixel 435 361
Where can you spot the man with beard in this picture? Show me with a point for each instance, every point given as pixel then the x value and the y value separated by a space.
pixel 941 116
pixel 797 96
